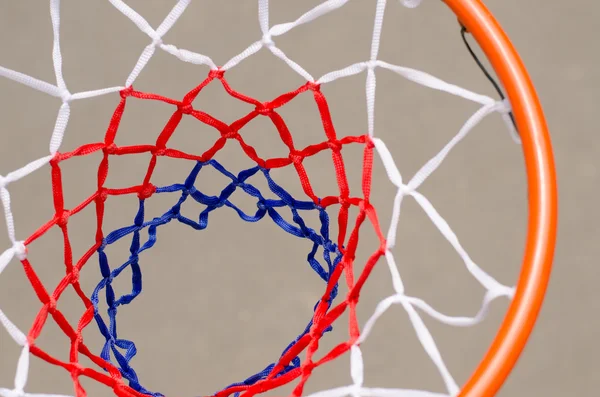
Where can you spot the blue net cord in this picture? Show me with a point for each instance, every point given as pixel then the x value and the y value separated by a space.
pixel 124 350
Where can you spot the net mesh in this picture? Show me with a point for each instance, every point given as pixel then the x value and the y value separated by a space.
pixel 331 256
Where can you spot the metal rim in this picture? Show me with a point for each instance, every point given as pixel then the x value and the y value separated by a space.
pixel 523 311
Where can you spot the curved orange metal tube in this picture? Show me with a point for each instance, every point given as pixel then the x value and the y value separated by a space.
pixel 542 190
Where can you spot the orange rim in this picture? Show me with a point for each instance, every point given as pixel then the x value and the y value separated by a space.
pixel 541 178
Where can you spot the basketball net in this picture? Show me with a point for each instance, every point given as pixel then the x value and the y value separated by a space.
pixel 333 251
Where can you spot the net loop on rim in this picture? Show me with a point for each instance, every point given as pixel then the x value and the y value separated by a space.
pixel 289 366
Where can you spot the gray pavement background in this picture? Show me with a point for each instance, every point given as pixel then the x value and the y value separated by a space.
pixel 220 304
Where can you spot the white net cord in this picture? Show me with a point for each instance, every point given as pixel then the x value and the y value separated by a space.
pixel 414 306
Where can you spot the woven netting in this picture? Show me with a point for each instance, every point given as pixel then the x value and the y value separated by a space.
pixel 333 248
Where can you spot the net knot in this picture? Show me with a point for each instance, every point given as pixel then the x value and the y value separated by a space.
pixel 313 86
pixel 238 184
pixel 267 40
pixel 382 248
pixel 156 40
pixel 296 157
pixel 79 338
pixel 336 146
pixel 261 205
pixel 344 202
pixel 110 148
pixel 504 107
pixel 308 366
pixel 230 134
pixel 51 304
pixel 63 218
pixel 365 205
pixel 125 92
pixel 263 109
pixel 65 95
pixel 372 64
pixel 146 191
pixel 20 250
pixel 330 246
pixel 216 73
pixel 406 190
pixel 58 157
pixel 74 274
pixel 76 369
pixel 185 108
pixel 102 194
pixel 353 295
pixel 159 151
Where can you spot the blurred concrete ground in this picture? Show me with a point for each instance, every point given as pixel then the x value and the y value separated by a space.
pixel 221 304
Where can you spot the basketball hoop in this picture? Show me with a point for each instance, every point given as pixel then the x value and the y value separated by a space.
pixel 334 243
